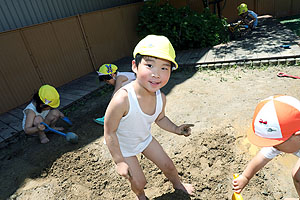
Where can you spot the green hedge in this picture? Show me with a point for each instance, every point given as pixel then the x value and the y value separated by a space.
pixel 184 27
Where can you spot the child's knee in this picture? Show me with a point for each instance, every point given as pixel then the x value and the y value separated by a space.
pixel 169 166
pixel 55 113
pixel 37 120
pixel 138 184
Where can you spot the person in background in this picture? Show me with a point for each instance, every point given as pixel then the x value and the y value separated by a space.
pixel 42 109
pixel 109 74
pixel 275 127
pixel 249 18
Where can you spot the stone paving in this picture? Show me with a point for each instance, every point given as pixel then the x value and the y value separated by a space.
pixel 262 46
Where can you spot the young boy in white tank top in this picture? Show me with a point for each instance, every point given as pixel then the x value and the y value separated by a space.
pixel 135 107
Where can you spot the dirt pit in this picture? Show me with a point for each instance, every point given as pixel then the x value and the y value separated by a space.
pixel 219 102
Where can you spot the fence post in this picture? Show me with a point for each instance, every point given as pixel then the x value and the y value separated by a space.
pixel 86 42
pixel 27 46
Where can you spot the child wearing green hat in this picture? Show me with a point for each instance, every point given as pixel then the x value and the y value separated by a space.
pixel 109 74
pixel 132 110
pixel 42 108
pixel 249 18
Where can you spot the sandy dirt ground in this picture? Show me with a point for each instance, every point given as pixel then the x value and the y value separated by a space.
pixel 219 102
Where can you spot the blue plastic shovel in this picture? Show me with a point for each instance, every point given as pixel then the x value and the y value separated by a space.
pixel 70 136
pixel 67 120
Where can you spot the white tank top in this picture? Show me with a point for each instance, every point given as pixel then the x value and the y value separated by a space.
pixel 134 129
pixel 32 107
pixel 129 75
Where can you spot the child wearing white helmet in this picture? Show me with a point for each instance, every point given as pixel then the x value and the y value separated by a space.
pixel 249 18
pixel 275 127
pixel 132 110
pixel 42 109
pixel 109 74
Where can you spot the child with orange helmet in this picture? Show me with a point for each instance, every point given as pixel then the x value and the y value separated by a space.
pixel 135 107
pixel 275 127
pixel 249 18
pixel 42 109
pixel 109 74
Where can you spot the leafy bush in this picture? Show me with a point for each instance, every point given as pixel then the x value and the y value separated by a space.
pixel 184 27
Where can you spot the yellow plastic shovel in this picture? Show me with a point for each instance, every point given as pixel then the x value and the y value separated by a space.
pixel 236 196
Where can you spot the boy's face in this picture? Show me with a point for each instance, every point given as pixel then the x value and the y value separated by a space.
pixel 152 73
pixel 291 145
pixel 111 81
pixel 45 107
pixel 243 15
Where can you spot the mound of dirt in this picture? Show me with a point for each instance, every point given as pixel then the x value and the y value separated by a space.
pixel 220 103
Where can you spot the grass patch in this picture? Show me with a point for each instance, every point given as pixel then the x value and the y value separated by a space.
pixel 292 22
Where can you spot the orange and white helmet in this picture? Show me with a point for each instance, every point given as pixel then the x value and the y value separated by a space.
pixel 275 120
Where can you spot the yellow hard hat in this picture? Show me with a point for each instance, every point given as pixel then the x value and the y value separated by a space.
pixel 157 46
pixel 49 96
pixel 107 69
pixel 242 8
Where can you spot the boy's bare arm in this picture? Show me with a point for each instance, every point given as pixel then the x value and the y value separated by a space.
pixel 165 123
pixel 116 109
pixel 251 22
pixel 29 126
pixel 118 84
pixel 257 163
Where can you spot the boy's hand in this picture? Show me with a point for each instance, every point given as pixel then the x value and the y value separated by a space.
pixel 184 129
pixel 123 169
pixel 41 127
pixel 239 183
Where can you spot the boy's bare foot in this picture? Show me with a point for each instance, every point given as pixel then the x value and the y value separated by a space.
pixel 43 138
pixel 187 188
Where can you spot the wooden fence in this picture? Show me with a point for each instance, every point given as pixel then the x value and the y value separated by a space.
pixel 60 51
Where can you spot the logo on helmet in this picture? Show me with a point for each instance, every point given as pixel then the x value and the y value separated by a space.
pixel 47 101
pixel 109 69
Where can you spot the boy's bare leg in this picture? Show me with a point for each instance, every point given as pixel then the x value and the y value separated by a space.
pixel 296 177
pixel 137 178
pixel 157 155
pixel 42 136
pixel 52 118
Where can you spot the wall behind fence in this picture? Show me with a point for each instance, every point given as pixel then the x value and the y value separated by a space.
pixel 19 13
pixel 60 51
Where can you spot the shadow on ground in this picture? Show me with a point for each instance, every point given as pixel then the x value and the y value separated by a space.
pixel 177 194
